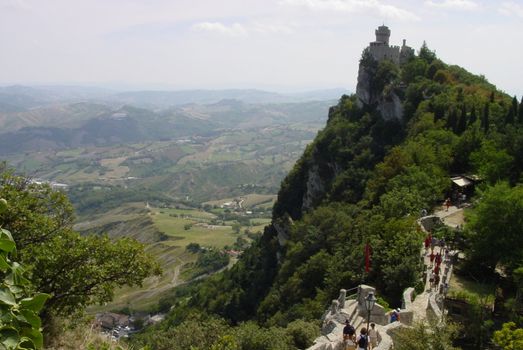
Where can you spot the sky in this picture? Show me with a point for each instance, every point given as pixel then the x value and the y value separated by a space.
pixel 280 45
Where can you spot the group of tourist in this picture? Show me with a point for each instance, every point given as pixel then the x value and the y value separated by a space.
pixel 366 340
pixel 435 259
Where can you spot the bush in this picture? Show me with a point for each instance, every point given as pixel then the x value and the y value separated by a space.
pixel 303 333
pixel 20 325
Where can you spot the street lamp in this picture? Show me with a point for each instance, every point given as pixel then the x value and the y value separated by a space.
pixel 370 300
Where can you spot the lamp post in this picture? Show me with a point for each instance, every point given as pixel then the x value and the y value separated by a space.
pixel 370 300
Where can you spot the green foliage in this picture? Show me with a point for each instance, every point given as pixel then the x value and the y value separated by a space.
pixel 96 266
pixel 75 270
pixel 496 228
pixel 193 247
pixel 426 336
pixel 426 54
pixel 397 266
pixel 413 69
pixel 491 162
pixel 364 180
pixel 509 337
pixel 211 260
pixel 20 324
pixel 303 333
pixel 197 332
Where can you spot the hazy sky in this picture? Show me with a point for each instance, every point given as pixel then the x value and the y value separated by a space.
pixel 268 44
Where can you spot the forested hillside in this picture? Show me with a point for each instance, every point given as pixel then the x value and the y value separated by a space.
pixel 364 179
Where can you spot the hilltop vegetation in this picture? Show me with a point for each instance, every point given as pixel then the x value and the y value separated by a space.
pixel 364 179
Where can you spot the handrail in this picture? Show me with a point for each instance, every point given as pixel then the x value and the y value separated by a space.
pixel 348 290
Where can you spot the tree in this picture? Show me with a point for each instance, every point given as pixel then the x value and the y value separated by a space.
pixel 485 118
pixel 193 247
pixel 509 337
pixel 236 227
pixel 520 111
pixel 452 121
pixel 473 116
pixel 20 326
pixel 303 333
pixel 426 54
pixel 462 122
pixel 75 270
pixel 79 271
pixel 496 228
pixel 433 335
pixel 510 117
pixel 491 162
pixel 412 70
pixel 515 105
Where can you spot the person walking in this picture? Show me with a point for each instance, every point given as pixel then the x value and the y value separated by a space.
pixel 432 279
pixel 362 339
pixel 395 315
pixel 349 336
pixel 447 204
pixel 374 336
pixel 437 259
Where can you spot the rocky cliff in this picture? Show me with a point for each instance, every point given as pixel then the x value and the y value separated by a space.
pixel 378 88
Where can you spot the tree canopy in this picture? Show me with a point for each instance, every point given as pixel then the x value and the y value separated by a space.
pixel 496 228
pixel 75 270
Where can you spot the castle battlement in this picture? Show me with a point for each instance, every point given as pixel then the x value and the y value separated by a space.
pixel 381 50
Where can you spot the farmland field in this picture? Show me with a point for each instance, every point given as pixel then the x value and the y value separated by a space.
pixel 203 174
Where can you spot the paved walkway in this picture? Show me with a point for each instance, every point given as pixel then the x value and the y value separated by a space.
pixel 453 217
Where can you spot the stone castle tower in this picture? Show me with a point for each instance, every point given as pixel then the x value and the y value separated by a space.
pixel 381 50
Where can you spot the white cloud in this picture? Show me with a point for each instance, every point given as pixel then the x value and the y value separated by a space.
pixel 511 8
pixel 454 4
pixel 235 29
pixel 371 7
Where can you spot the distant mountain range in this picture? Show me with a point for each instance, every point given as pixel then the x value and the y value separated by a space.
pixel 20 98
pixel 56 125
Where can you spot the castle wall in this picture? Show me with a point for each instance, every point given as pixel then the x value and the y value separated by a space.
pixel 381 52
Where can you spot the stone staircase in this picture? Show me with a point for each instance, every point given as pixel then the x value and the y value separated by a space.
pixel 351 309
pixel 423 306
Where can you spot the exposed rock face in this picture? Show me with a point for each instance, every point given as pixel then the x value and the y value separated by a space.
pixel 315 187
pixel 363 90
pixel 386 102
pixel 282 229
pixel 317 182
pixel 390 106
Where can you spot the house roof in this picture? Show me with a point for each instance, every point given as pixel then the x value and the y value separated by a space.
pixel 461 181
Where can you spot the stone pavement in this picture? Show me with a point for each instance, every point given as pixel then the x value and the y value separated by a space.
pixel 453 217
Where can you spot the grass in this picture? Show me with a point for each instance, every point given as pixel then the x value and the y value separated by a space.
pixel 116 171
pixel 462 287
pixel 199 232
pixel 170 253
